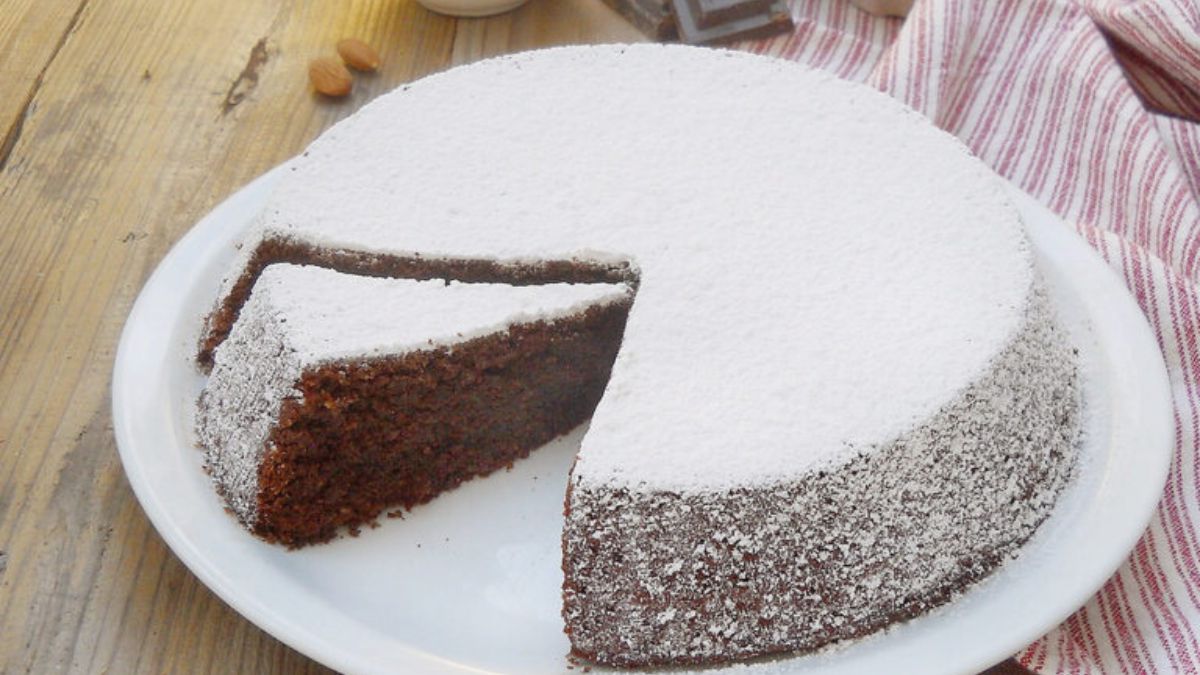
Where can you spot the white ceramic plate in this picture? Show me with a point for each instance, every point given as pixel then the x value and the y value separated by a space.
pixel 470 583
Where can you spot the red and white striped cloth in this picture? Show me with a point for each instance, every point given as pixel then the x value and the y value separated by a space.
pixel 1092 107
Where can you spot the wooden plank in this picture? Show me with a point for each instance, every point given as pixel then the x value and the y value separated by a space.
pixel 121 151
pixel 33 33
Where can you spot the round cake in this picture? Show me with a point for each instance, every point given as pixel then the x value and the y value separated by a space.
pixel 841 394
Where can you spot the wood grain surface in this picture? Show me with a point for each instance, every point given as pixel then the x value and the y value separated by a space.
pixel 122 122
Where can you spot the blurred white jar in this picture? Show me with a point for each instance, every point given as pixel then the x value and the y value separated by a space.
pixel 471 7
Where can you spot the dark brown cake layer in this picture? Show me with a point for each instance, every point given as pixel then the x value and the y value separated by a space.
pixel 271 251
pixel 396 432
pixel 722 580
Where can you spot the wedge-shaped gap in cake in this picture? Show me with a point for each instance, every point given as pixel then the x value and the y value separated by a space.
pixel 337 397
pixel 270 250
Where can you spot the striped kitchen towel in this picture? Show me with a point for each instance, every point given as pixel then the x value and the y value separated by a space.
pixel 1092 107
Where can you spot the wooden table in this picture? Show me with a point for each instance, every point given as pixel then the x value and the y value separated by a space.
pixel 123 122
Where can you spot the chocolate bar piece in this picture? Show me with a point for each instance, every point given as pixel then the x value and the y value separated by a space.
pixel 652 17
pixel 707 21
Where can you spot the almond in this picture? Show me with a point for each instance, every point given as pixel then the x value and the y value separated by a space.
pixel 329 76
pixel 358 54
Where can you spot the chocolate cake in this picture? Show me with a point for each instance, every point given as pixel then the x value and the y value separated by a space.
pixel 841 394
pixel 339 396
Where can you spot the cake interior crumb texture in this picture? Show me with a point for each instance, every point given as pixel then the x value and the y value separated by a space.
pixel 827 390
pixel 338 396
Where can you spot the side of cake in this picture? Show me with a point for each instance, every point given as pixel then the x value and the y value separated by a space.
pixel 338 397
pixel 700 576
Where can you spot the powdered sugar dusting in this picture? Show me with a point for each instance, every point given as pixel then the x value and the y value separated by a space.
pixel 800 291
pixel 342 316
pixel 254 371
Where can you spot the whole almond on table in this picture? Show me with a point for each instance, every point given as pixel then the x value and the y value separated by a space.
pixel 329 76
pixel 358 54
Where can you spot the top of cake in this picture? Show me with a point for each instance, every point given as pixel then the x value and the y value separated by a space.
pixel 820 268
pixel 331 316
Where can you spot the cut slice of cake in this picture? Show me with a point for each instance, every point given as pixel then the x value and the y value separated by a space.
pixel 339 396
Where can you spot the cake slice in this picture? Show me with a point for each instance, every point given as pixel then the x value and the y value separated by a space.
pixel 338 396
